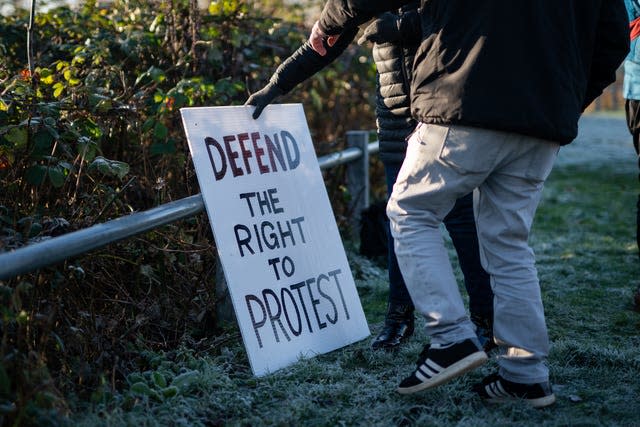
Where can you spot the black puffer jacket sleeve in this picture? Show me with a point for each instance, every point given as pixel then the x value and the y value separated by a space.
pixel 339 15
pixel 305 62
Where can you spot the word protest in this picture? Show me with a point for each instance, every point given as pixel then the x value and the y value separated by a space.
pixel 292 290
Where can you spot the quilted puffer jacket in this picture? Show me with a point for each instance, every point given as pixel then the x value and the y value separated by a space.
pixel 394 62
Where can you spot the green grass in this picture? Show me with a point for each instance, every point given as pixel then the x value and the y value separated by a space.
pixel 588 265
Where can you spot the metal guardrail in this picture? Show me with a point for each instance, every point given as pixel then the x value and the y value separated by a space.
pixel 57 249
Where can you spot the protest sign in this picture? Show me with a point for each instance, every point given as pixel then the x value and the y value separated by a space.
pixel 288 276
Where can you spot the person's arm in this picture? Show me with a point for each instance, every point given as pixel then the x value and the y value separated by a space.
pixel 339 16
pixel 298 67
pixel 612 45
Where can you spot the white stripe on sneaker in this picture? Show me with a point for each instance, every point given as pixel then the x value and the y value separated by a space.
pixel 427 371
pixel 433 365
pixel 501 389
pixel 495 390
pixel 420 376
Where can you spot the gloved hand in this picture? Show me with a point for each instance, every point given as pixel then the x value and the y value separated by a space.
pixel 262 98
pixel 385 29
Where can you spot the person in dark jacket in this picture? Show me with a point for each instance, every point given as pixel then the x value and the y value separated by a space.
pixel 497 88
pixel 395 37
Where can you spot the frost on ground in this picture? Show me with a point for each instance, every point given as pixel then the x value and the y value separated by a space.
pixel 601 140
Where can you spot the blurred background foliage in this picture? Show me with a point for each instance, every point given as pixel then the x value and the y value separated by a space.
pixel 94 133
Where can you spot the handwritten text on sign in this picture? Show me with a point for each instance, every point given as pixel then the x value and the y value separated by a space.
pixel 275 232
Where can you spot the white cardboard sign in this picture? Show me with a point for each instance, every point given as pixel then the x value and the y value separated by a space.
pixel 288 276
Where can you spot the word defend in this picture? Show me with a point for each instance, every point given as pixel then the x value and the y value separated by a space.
pixel 265 158
pixel 287 273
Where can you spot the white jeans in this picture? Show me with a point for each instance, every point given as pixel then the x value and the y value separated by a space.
pixel 508 172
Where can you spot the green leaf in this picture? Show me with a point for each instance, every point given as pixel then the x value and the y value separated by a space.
pixel 159 379
pixel 141 388
pixel 89 128
pixel 148 124
pixel 87 148
pixel 58 88
pixel 78 59
pixel 36 174
pixel 110 167
pixel 185 380
pixel 160 131
pixel 17 136
pixel 168 147
pixel 56 176
pixel 179 100
pixel 43 141
pixel 135 377
pixel 50 121
pixel 170 391
pixel 35 229
pixel 155 73
pixel 46 76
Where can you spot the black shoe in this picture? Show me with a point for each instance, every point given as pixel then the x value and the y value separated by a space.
pixel 398 326
pixel 484 331
pixel 438 365
pixel 495 389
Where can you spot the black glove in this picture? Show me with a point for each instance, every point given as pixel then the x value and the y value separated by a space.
pixel 385 29
pixel 262 98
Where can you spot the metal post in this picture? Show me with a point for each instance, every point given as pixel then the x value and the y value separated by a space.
pixel 358 179
pixel 224 305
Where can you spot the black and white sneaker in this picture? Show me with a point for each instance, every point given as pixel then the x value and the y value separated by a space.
pixel 495 389
pixel 439 364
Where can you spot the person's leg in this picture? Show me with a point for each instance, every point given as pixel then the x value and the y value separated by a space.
pixel 442 165
pixel 632 110
pixel 505 208
pixel 399 318
pixel 398 293
pixel 461 225
pixel 425 192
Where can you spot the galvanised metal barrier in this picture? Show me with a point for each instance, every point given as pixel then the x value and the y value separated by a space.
pixel 57 249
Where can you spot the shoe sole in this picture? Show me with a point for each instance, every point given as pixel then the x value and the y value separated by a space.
pixel 537 403
pixel 462 366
